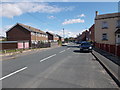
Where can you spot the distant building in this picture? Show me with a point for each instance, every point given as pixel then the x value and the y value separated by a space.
pixel 107 28
pixel 52 37
pixel 78 38
pixel 23 32
pixel 2 38
pixel 85 35
pixel 92 33
pixel 60 38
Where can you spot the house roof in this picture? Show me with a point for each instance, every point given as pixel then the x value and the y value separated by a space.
pixel 118 30
pixel 58 35
pixel 29 28
pixel 106 16
pixel 51 33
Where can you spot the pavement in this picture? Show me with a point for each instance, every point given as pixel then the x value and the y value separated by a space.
pixel 111 57
pixel 61 67
pixel 110 62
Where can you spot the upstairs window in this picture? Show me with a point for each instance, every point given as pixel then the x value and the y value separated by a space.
pixel 118 23
pixel 104 25
pixel 104 36
pixel 32 33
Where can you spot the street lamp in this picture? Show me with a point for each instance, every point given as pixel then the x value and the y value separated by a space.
pixel 63 33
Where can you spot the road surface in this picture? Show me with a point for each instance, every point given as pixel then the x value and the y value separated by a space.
pixel 61 67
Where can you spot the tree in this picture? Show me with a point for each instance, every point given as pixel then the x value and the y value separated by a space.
pixel 66 39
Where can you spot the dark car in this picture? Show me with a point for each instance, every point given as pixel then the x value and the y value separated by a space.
pixel 78 42
pixel 86 46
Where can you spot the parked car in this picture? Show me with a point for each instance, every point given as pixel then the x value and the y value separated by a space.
pixel 85 46
pixel 78 42
pixel 64 44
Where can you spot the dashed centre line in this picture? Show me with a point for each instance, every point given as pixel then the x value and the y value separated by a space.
pixel 13 73
pixel 62 51
pixel 47 57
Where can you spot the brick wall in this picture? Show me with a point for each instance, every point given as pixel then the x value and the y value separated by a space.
pixel 18 33
pixel 114 49
pixel 92 37
pixel 8 46
pixel 39 38
pixel 50 37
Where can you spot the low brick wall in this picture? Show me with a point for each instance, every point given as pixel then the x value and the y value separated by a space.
pixel 114 49
pixel 8 46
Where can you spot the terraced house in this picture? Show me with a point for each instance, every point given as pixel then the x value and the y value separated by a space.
pixel 107 28
pixel 20 32
pixel 107 32
pixel 52 37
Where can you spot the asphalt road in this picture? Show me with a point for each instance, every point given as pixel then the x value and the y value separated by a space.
pixel 62 67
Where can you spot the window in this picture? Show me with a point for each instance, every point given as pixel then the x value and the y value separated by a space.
pixel 104 25
pixel 37 34
pixel 46 36
pixel 32 33
pixel 40 35
pixel 104 36
pixel 118 23
pixel 118 35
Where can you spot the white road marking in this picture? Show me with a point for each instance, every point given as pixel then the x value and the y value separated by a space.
pixel 13 73
pixel 47 57
pixel 62 51
pixel 68 48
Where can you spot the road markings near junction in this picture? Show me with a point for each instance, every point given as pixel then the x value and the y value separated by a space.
pixel 68 48
pixel 62 51
pixel 47 57
pixel 13 73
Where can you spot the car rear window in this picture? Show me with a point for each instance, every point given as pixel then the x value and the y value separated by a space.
pixel 85 44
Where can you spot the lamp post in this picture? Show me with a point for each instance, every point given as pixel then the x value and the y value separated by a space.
pixel 63 33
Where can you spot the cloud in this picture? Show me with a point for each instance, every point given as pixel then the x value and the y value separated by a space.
pixel 4 29
pixel 51 17
pixel 71 21
pixel 16 9
pixel 81 15
pixel 68 33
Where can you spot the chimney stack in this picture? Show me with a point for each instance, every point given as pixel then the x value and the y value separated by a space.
pixel 97 13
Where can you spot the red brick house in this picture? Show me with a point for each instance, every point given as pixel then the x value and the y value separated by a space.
pixel 52 37
pixel 78 38
pixel 85 35
pixel 60 38
pixel 23 32
pixel 92 33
